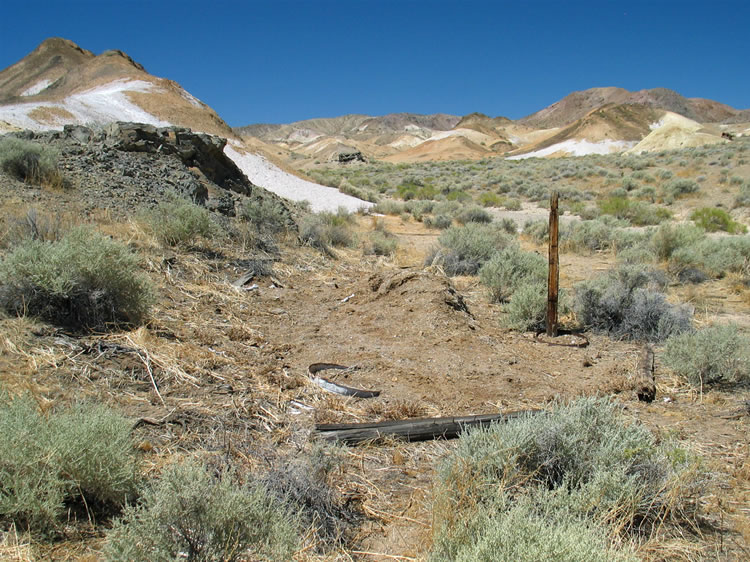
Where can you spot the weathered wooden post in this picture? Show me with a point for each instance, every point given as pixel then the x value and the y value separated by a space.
pixel 553 279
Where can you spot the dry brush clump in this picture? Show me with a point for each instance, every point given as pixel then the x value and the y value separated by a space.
pixel 576 482
pixel 85 280
pixel 30 162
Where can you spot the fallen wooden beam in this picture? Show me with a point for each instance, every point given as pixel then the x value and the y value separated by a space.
pixel 420 429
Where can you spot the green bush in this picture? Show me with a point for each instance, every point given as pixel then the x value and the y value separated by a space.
pixel 389 207
pixel 438 221
pixel 714 256
pixel 474 214
pixel 670 237
pixel 381 244
pixel 712 219
pixel 266 215
pixel 464 249
pixel 29 162
pixel 527 309
pixel 512 205
pixel 490 200
pixel 524 529
pixel 575 475
pixel 635 212
pixel 179 222
pixel 621 305
pixel 325 229
pixel 190 514
pixel 510 269
pixel 85 280
pixel 715 354
pixel 82 458
pixel 677 187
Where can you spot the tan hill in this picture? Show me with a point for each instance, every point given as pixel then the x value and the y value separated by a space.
pixel 60 83
pixel 612 128
pixel 578 104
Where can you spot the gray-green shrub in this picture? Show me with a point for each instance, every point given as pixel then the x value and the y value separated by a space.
pixel 580 468
pixel 464 249
pixel 621 304
pixel 325 229
pixel 30 162
pixel 84 280
pixel 188 513
pixel 82 457
pixel 511 268
pixel 266 215
pixel 711 355
pixel 527 309
pixel 179 222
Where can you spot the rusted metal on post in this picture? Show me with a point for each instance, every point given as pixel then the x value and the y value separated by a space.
pixel 553 280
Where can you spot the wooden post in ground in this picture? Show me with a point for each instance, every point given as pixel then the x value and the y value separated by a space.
pixel 553 280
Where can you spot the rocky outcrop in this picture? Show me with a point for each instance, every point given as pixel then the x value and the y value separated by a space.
pixel 346 156
pixel 196 150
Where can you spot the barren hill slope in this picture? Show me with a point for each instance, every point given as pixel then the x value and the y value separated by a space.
pixel 61 83
pixel 577 104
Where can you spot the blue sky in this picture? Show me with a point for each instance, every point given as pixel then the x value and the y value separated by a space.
pixel 286 60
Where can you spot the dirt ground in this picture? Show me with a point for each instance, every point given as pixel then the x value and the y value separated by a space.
pixel 224 370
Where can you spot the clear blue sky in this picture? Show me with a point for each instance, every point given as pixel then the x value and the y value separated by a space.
pixel 279 61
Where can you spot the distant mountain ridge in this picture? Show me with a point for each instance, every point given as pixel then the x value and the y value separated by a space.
pixel 60 83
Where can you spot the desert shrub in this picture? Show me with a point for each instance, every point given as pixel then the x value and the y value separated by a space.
pixel 537 230
pixel 527 309
pixel 29 162
pixel 507 224
pixel 266 215
pixel 621 304
pixel 85 280
pixel 381 243
pixel 303 483
pixel 474 214
pixel 578 474
pixel 190 513
pixel 712 219
pixel 714 256
pixel 438 221
pixel 82 459
pixel 524 529
pixel 464 249
pixel 602 234
pixel 678 187
pixel 179 222
pixel 389 207
pixel 510 269
pixel 322 230
pixel 710 355
pixel 635 212
pixel 45 227
pixel 512 204
pixel 668 238
pixel 743 197
pixel 490 200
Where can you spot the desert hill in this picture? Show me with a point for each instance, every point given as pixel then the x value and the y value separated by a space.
pixel 597 120
pixel 60 83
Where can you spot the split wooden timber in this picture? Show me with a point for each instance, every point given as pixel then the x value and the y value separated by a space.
pixel 411 430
